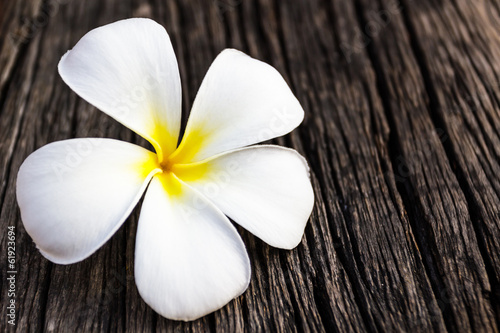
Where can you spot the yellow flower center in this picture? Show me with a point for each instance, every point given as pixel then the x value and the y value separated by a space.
pixel 178 166
pixel 166 165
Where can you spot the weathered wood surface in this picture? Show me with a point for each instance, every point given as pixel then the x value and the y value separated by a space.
pixel 402 133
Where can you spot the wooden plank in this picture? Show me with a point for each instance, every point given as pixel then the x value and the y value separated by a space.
pixel 401 133
pixel 464 83
pixel 441 218
pixel 351 115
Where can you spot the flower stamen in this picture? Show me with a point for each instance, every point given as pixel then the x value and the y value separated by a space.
pixel 167 165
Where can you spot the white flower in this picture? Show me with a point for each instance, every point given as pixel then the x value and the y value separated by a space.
pixel 189 258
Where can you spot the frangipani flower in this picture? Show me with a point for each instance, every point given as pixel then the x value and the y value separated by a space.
pixel 189 258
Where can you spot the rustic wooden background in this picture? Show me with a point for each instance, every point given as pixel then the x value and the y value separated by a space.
pixel 402 133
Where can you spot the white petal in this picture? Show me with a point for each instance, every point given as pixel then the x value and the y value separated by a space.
pixel 265 189
pixel 189 259
pixel 241 101
pixel 128 70
pixel 75 194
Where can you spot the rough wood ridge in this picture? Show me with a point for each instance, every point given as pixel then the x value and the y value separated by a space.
pixel 402 133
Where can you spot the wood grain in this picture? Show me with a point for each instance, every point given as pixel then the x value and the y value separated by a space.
pixel 402 134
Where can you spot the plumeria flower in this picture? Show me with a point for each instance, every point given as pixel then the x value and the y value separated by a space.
pixel 189 259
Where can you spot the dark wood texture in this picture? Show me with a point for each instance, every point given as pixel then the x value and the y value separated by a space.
pixel 402 133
